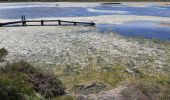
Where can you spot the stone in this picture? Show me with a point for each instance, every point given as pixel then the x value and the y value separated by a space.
pixel 90 88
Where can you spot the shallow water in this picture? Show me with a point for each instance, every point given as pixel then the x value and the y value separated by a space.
pixel 37 10
pixel 141 29
pixel 145 29
pixel 163 11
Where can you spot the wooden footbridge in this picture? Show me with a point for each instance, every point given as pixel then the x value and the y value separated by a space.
pixel 24 22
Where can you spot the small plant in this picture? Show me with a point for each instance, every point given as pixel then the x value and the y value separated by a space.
pixel 3 53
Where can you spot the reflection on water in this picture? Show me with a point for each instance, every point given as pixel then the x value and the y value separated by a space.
pixel 107 11
pixel 139 29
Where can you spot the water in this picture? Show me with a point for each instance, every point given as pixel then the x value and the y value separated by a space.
pixel 31 10
pixel 142 29
pixel 146 29
pixel 162 11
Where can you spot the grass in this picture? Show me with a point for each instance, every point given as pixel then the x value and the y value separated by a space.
pixel 147 82
pixel 16 81
pixel 67 97
pixel 153 86
pixel 14 89
pixel 111 76
pixel 20 80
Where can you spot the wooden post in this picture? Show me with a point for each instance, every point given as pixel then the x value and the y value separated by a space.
pixel 42 23
pixel 25 23
pixel 23 20
pixel 59 22
pixel 74 23
pixel 92 23
pixel 24 17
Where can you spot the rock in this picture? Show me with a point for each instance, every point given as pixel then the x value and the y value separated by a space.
pixel 81 97
pixel 112 94
pixel 131 64
pixel 133 93
pixel 90 88
pixel 129 71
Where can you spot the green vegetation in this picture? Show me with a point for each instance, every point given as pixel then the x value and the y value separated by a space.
pixel 3 54
pixel 144 82
pixel 148 85
pixel 20 81
pixel 67 97
pixel 111 76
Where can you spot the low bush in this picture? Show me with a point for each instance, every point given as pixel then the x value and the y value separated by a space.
pixel 20 80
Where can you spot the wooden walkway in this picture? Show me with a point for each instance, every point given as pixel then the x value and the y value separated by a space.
pixel 25 22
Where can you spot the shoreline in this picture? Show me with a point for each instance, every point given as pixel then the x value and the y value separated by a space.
pixel 108 19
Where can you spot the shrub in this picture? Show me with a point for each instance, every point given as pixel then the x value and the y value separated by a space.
pixel 8 92
pixel 23 79
pixel 3 53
